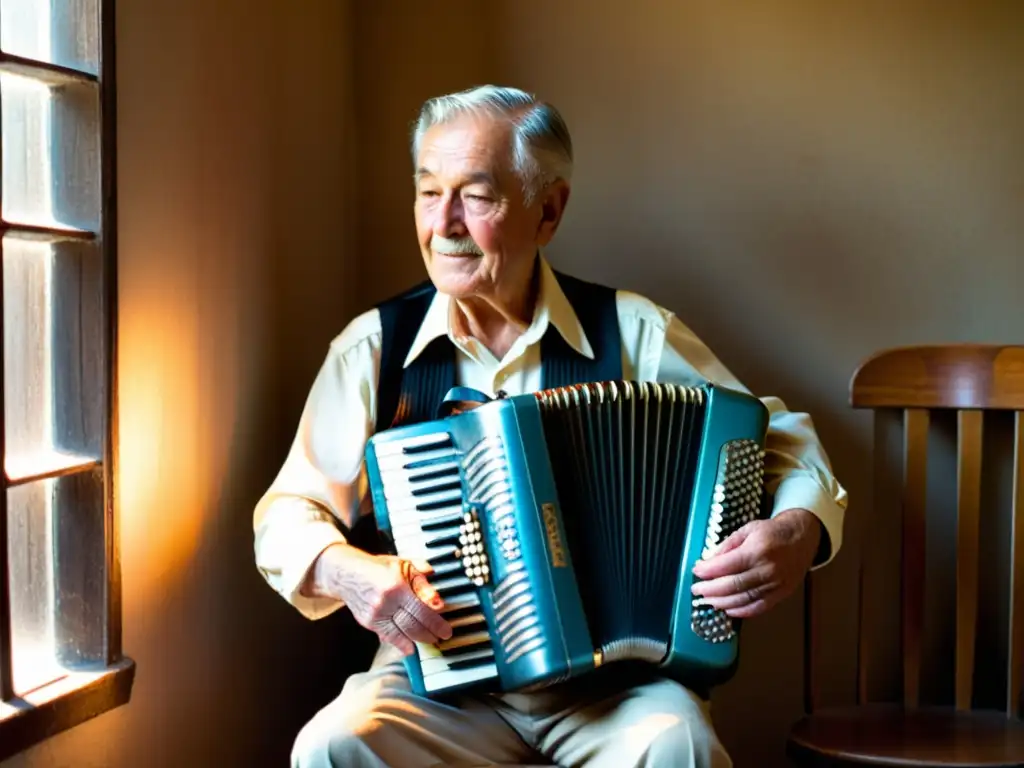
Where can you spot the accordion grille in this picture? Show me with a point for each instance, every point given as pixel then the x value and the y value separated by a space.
pixel 515 609
pixel 624 456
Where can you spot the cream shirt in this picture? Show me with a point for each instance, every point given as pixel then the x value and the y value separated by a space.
pixel 323 478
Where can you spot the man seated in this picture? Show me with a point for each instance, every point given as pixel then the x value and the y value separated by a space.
pixel 492 177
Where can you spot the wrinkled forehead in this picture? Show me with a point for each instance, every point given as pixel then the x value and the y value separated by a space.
pixel 469 147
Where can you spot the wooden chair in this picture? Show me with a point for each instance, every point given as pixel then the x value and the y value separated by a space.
pixel 912 385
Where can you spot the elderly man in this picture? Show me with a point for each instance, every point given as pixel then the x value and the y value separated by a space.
pixel 492 178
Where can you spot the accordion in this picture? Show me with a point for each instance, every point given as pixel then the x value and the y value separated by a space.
pixel 562 527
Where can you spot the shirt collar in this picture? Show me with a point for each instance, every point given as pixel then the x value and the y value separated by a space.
pixel 553 308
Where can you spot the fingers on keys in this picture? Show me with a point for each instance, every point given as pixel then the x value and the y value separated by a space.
pixel 425 592
pixel 396 637
pixel 429 623
pixel 423 606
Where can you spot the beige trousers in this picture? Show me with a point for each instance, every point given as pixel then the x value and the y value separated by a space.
pixel 600 721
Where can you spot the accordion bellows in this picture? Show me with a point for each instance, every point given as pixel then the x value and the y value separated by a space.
pixel 562 527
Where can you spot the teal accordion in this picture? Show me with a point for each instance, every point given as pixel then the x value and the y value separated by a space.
pixel 562 527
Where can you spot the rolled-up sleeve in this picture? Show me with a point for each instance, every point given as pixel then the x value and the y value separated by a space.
pixel 317 493
pixel 797 469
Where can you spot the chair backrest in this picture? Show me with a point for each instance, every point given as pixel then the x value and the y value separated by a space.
pixel 909 385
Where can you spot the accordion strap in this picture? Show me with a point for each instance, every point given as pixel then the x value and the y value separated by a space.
pixel 458 395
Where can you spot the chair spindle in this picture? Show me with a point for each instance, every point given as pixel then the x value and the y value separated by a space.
pixel 1015 676
pixel 968 507
pixel 915 469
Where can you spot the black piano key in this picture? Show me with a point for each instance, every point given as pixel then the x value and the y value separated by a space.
pixel 433 506
pixel 442 441
pixel 429 462
pixel 442 558
pixel 449 590
pixel 445 567
pixel 425 490
pixel 478 661
pixel 438 538
pixel 444 521
pixel 461 630
pixel 437 474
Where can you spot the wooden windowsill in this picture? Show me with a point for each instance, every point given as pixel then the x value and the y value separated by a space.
pixel 63 704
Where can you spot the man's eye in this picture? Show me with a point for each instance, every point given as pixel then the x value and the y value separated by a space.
pixel 481 198
pixel 429 192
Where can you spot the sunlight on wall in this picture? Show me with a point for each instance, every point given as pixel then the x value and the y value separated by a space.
pixel 159 447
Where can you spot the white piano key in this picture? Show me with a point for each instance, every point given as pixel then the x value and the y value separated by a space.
pixel 396 484
pixel 398 477
pixel 400 492
pixel 412 549
pixel 417 525
pixel 448 468
pixel 453 677
pixel 463 640
pixel 428 536
pixel 436 535
pixel 433 665
pixel 412 462
pixel 452 497
pixel 389 447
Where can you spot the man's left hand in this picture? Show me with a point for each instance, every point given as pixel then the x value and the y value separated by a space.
pixel 760 564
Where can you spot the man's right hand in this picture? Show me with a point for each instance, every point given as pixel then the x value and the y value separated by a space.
pixel 389 596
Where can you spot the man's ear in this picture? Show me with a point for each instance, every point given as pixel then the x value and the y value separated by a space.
pixel 552 207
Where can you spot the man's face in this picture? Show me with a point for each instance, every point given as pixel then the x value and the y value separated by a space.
pixel 475 231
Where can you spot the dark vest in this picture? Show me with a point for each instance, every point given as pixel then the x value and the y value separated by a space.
pixel 411 395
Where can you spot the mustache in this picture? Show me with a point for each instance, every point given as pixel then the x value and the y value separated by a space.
pixel 453 245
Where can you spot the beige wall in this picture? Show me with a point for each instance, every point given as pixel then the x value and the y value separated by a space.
pixel 802 184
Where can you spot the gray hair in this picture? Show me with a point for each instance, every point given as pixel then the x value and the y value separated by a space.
pixel 542 147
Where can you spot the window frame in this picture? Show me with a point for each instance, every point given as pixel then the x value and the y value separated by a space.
pixel 83 693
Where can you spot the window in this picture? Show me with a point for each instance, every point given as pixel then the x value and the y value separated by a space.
pixel 60 636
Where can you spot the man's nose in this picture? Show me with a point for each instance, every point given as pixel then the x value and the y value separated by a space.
pixel 450 221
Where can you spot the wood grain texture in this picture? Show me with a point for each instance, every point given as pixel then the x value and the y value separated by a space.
pixel 954 376
pixel 886 734
pixel 968 468
pixel 30 723
pixel 915 482
pixel 1015 671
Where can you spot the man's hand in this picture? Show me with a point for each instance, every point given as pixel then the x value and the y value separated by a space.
pixel 389 596
pixel 759 565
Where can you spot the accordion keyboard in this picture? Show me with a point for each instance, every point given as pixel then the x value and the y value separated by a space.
pixel 424 495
